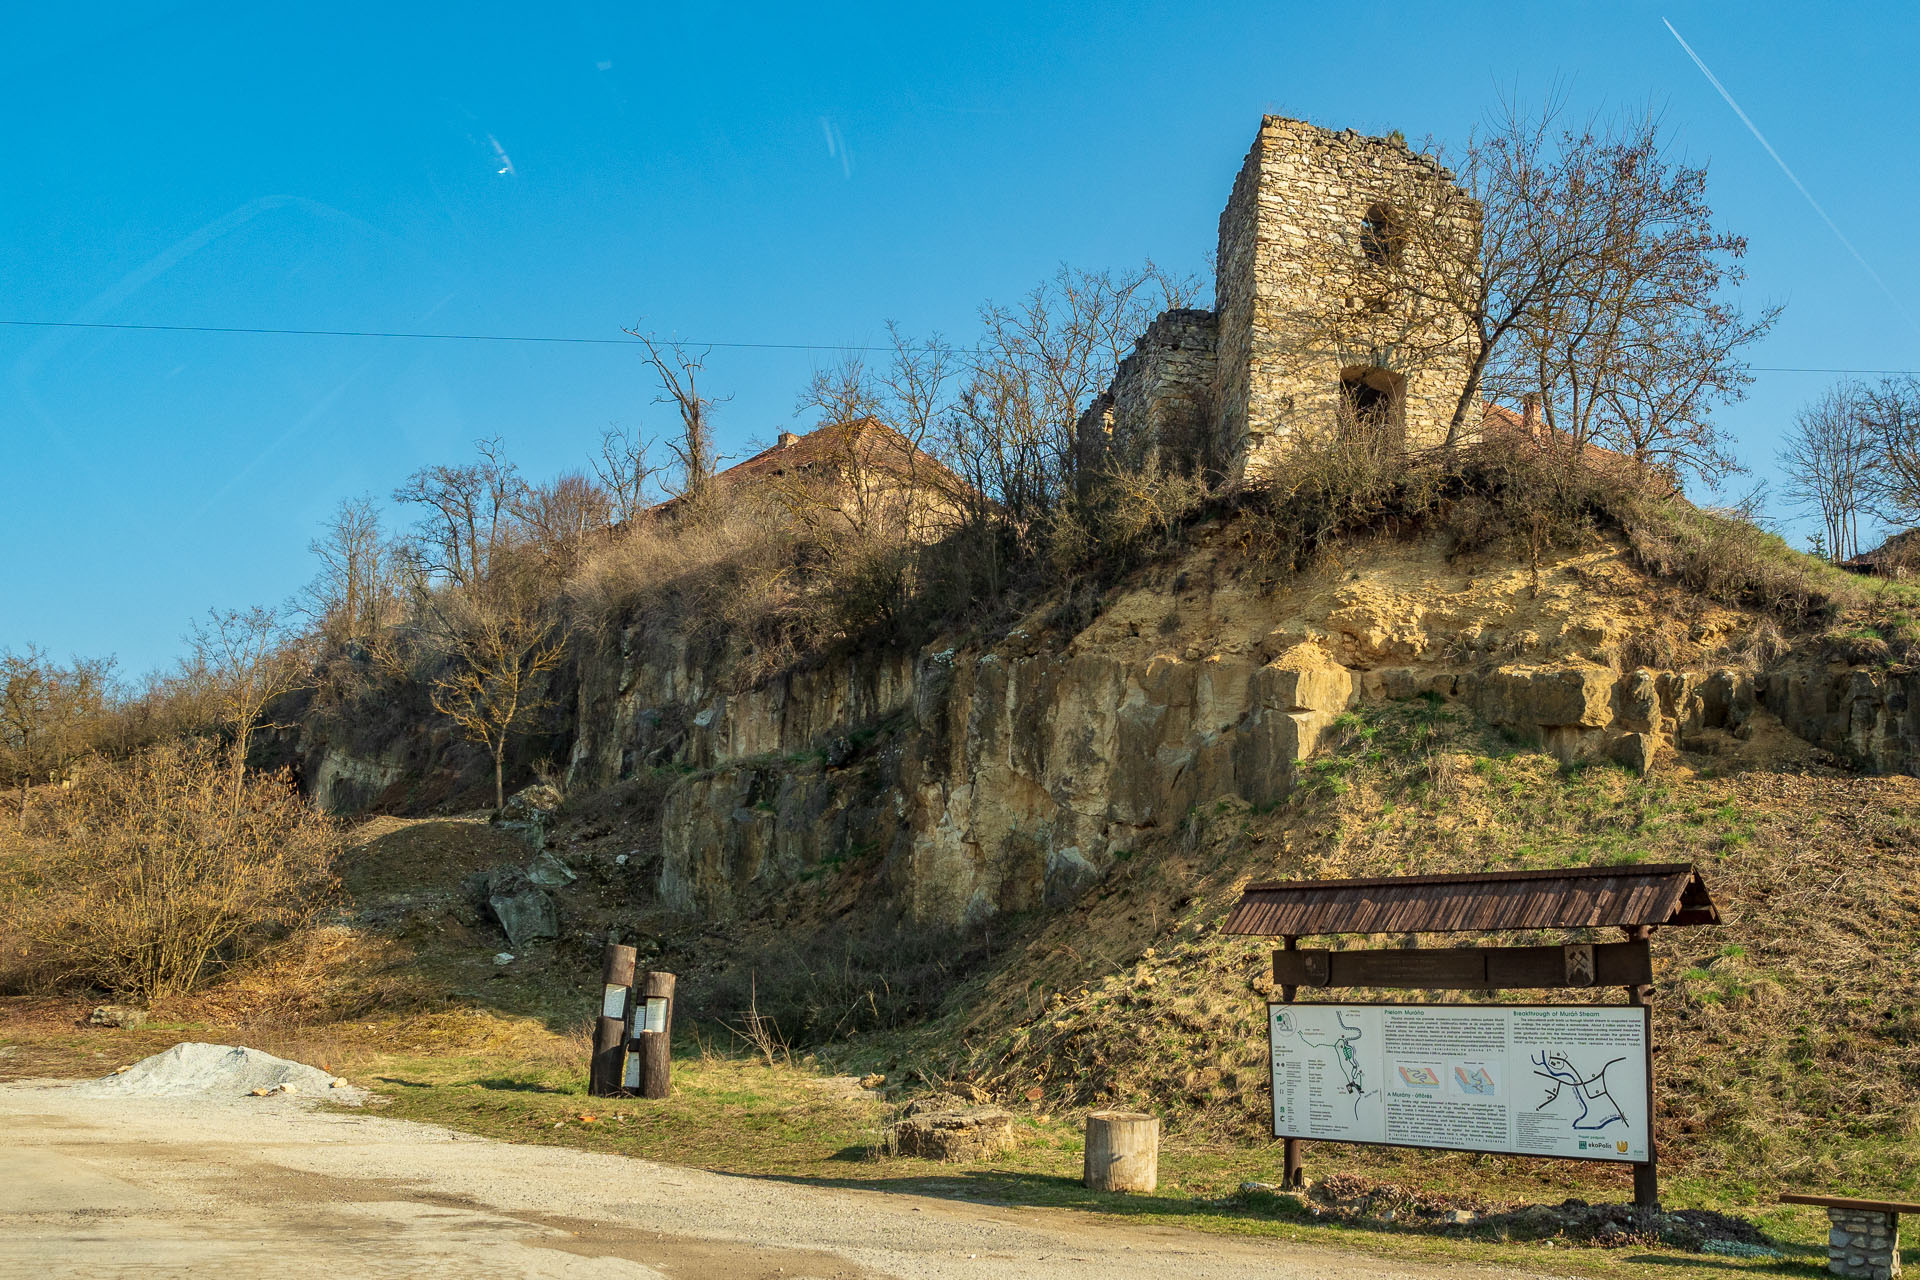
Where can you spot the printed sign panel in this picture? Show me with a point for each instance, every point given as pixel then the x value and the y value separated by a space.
pixel 1535 1080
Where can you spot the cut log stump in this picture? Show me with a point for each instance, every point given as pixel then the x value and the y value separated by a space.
pixel 1123 1151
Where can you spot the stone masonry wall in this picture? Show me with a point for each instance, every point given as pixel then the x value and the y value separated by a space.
pixel 1864 1244
pixel 1300 304
pixel 1158 412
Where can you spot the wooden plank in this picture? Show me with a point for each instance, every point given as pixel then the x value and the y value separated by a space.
pixel 1615 964
pixel 1848 1202
pixel 1652 870
pixel 1581 897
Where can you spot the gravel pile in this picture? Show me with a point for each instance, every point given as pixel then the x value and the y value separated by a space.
pixel 218 1071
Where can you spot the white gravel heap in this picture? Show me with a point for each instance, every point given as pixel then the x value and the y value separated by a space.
pixel 217 1071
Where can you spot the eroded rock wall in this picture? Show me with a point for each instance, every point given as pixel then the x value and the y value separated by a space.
pixel 1008 773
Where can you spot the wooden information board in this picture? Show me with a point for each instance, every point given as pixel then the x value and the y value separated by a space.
pixel 1573 1081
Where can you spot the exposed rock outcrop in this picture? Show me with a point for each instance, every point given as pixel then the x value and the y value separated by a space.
pixel 998 775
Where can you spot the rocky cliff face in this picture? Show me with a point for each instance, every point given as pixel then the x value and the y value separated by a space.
pixel 1002 775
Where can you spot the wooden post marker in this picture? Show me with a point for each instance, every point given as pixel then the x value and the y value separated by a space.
pixel 1123 1151
pixel 650 1069
pixel 610 1029
pixel 1292 1176
pixel 1646 1175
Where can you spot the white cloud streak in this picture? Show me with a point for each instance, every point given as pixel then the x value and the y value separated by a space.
pixel 1792 177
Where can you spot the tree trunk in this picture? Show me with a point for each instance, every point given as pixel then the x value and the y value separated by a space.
pixel 499 778
pixel 1122 1151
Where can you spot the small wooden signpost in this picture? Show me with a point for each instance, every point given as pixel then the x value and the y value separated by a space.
pixel 610 1027
pixel 650 1053
pixel 1454 1065
pixel 633 1034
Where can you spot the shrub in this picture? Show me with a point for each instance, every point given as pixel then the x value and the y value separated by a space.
pixel 154 874
pixel 730 568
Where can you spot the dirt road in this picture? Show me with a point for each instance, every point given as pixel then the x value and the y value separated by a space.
pixel 275 1187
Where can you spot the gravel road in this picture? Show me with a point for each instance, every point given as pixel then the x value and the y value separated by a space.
pixel 108 1187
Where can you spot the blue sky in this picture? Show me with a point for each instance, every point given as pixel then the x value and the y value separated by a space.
pixel 776 174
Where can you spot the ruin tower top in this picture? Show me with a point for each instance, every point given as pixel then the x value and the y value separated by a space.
pixel 1337 254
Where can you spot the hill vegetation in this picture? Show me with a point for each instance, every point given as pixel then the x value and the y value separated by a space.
pixel 156 844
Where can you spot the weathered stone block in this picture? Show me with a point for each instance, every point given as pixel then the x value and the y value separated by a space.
pixel 970 1133
pixel 1530 697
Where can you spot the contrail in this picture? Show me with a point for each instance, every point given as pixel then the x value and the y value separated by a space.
pixel 1792 177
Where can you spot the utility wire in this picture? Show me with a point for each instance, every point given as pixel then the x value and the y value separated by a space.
pixel 434 337
pixel 603 342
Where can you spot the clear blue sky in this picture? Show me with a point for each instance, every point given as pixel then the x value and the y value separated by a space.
pixel 778 174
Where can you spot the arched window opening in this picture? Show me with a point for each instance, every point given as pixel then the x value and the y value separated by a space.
pixel 1372 403
pixel 1380 235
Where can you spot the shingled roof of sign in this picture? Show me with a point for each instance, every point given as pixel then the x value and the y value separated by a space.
pixel 1569 898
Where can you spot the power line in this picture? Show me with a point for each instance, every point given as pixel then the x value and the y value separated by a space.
pixel 601 342
pixel 431 337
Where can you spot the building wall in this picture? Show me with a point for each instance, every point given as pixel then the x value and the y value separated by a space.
pixel 1298 302
pixel 1162 394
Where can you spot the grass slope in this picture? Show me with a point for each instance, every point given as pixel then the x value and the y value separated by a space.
pixel 1788 1038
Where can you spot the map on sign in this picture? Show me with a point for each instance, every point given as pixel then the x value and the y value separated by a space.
pixel 1559 1080
pixel 1588 1089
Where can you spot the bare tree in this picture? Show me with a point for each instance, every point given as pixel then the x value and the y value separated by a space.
pixel 855 471
pixel 680 371
pixel 1581 264
pixel 1638 344
pixel 1829 463
pixel 556 519
pixel 481 576
pixel 468 515
pixel 352 595
pixel 49 713
pixel 1891 412
pixel 624 472
pixel 1011 434
pixel 246 659
pixel 499 638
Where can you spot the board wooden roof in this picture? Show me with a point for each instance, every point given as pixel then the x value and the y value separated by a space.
pixel 1571 898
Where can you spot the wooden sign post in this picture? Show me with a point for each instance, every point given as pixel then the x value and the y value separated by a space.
pixel 1292 1175
pixel 1646 1174
pixel 1453 1060
pixel 650 1054
pixel 610 1028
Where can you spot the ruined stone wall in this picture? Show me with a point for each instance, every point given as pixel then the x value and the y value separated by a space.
pixel 1158 411
pixel 1299 301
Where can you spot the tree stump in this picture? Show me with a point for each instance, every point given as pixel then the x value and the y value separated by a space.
pixel 1123 1151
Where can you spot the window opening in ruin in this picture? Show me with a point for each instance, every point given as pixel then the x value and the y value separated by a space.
pixel 1372 402
pixel 1380 235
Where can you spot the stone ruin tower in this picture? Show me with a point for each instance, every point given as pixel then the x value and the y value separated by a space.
pixel 1317 327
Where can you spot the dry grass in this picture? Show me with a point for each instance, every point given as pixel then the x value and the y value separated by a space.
pixel 155 873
